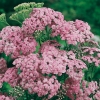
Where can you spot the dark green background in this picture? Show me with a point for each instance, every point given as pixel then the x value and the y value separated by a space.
pixel 86 10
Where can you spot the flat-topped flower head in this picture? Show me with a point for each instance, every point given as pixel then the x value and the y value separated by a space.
pixel 53 58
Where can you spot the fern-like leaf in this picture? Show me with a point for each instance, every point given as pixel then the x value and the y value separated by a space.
pixel 21 15
pixel 22 11
pixel 3 22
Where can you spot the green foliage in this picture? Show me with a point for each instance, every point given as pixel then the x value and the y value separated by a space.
pixel 21 15
pixel 23 11
pixel 19 71
pixel 18 93
pixel 6 88
pixel 62 78
pixel 8 59
pixel 3 21
pixel 24 6
pixel 43 36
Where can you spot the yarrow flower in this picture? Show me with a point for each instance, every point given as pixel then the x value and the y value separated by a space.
pixel 11 77
pixel 54 60
pixel 3 97
pixel 82 93
pixel 75 69
pixel 32 78
pixel 93 55
pixel 13 42
pixel 72 86
pixel 87 90
pixel 73 32
pixel 3 66
pixel 97 95
pixel 52 65
pixel 10 38
pixel 40 18
pixel 44 87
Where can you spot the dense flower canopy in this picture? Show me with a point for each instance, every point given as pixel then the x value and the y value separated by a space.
pixel 45 67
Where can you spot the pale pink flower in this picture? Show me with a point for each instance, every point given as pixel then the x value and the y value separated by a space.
pixel 3 97
pixel 3 66
pixel 97 95
pixel 11 77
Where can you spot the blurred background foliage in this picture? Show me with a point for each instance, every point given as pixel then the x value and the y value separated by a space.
pixel 86 10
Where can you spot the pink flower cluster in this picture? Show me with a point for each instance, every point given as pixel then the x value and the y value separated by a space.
pixel 3 97
pixel 39 72
pixel 13 42
pixel 32 78
pixel 11 77
pixel 3 66
pixel 92 55
pixel 39 18
pixel 29 65
pixel 88 88
pixel 10 38
pixel 75 68
pixel 3 69
pixel 97 95
pixel 54 60
pixel 71 87
pixel 72 32
pixel 82 93
pixel 45 86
